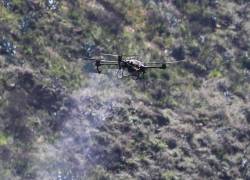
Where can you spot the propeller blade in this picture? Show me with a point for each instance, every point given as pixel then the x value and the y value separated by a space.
pixel 106 61
pixel 131 55
pixel 109 64
pixel 163 66
pixel 174 62
pixel 155 63
pixel 93 59
pixel 115 55
pixel 166 62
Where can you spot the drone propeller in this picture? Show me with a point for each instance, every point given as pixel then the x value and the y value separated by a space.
pixel 174 62
pixel 166 62
pixel 100 60
pixel 161 65
pixel 116 55
pixel 93 59
pixel 152 63
pixel 108 63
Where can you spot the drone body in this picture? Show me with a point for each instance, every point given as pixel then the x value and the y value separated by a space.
pixel 130 64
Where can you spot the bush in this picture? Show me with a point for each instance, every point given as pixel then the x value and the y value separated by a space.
pixel 215 74
pixel 3 139
pixel 180 3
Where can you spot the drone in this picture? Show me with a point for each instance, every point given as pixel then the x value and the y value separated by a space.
pixel 128 65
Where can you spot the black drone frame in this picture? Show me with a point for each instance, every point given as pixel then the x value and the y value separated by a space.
pixel 135 68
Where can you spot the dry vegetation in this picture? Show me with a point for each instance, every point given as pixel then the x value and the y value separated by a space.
pixel 58 120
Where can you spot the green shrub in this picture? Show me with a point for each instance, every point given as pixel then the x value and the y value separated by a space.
pixel 158 145
pixel 215 74
pixel 18 3
pixel 192 9
pixel 7 16
pixel 3 139
pixel 169 175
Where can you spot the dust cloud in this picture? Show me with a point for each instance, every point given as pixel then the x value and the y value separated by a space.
pixel 70 157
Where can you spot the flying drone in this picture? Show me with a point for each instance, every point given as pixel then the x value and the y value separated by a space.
pixel 128 65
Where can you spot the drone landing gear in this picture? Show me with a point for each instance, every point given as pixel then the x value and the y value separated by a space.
pixel 98 64
pixel 120 74
pixel 135 75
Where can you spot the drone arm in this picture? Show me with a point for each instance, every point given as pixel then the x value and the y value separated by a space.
pixel 102 63
pixel 108 63
pixel 162 66
pixel 120 74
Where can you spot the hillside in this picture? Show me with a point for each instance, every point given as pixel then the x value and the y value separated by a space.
pixel 59 120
